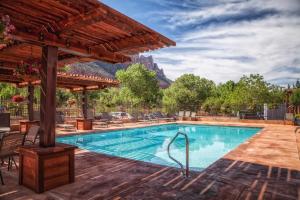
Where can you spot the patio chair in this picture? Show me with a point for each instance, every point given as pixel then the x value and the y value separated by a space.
pixel 5 121
pixel 9 146
pixel 2 182
pixel 33 135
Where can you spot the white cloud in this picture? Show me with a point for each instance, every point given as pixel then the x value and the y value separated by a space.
pixel 227 50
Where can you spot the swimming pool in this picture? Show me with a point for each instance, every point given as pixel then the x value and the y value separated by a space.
pixel 149 144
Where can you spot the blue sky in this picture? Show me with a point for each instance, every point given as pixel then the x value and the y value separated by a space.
pixel 223 39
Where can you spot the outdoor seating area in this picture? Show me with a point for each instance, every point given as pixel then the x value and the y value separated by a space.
pixel 10 142
pixel 87 113
pixel 255 175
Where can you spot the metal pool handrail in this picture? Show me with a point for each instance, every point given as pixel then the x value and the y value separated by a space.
pixel 185 172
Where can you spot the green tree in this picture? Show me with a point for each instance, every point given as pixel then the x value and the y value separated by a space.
pixel 62 97
pixel 139 85
pixel 188 92
pixel 219 102
pixel 251 93
pixel 295 97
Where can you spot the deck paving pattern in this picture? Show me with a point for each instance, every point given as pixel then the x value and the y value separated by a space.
pixel 267 166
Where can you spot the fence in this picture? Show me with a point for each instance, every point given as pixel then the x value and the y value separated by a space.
pixel 277 113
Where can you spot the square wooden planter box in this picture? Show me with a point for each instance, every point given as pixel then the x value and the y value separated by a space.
pixel 25 125
pixel 42 169
pixel 84 124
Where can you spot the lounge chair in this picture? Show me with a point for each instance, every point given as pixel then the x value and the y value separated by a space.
pixel 193 116
pixel 60 122
pixel 100 123
pixel 187 115
pixel 116 121
pixel 146 118
pixel 9 146
pixel 180 115
pixel 108 119
pixel 160 116
pixel 33 135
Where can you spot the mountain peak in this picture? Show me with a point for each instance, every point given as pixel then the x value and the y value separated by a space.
pixel 100 68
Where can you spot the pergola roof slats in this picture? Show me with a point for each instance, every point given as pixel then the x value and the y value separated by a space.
pixel 83 28
pixel 64 80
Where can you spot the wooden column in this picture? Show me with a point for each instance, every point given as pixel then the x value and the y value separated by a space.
pixel 48 95
pixel 84 104
pixel 30 102
pixel 85 123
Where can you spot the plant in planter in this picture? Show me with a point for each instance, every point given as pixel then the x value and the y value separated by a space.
pixel 71 102
pixel 17 99
pixel 6 28
pixel 297 119
pixel 29 70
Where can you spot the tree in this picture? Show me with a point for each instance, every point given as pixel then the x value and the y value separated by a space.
pixel 295 97
pixel 219 101
pixel 188 92
pixel 62 97
pixel 140 85
pixel 251 93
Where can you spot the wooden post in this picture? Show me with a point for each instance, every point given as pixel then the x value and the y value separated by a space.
pixel 30 101
pixel 48 95
pixel 84 103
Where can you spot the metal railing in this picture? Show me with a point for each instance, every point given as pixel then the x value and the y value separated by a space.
pixel 185 172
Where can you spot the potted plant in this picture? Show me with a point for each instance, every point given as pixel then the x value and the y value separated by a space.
pixel 297 119
pixel 6 28
pixel 18 99
pixel 29 71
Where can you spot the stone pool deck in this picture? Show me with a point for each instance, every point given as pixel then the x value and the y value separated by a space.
pixel 267 166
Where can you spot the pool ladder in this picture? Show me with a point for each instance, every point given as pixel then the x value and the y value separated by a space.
pixel 185 172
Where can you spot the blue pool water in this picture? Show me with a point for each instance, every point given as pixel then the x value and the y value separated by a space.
pixel 149 144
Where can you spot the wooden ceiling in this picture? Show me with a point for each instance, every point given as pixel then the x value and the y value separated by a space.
pixel 74 82
pixel 84 30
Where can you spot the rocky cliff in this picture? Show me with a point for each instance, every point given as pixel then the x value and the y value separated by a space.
pixel 109 70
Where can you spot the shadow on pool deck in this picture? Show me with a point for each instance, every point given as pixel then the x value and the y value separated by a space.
pixel 267 166
pixel 102 177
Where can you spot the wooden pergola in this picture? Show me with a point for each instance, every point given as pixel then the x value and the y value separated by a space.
pixel 72 82
pixel 57 32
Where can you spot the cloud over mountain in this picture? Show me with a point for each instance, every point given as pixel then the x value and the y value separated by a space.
pixel 225 39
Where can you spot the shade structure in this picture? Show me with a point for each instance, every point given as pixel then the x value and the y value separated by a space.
pixel 73 82
pixel 55 33
pixel 82 31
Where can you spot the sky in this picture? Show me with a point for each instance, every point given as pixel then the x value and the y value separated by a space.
pixel 223 39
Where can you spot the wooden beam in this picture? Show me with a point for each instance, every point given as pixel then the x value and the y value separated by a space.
pixel 81 20
pixel 48 95
pixel 30 102
pixel 68 46
pixel 84 103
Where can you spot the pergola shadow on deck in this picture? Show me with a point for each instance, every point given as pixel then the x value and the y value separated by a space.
pixel 103 177
pixel 265 167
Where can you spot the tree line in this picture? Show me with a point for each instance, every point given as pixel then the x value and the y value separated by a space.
pixel 140 89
